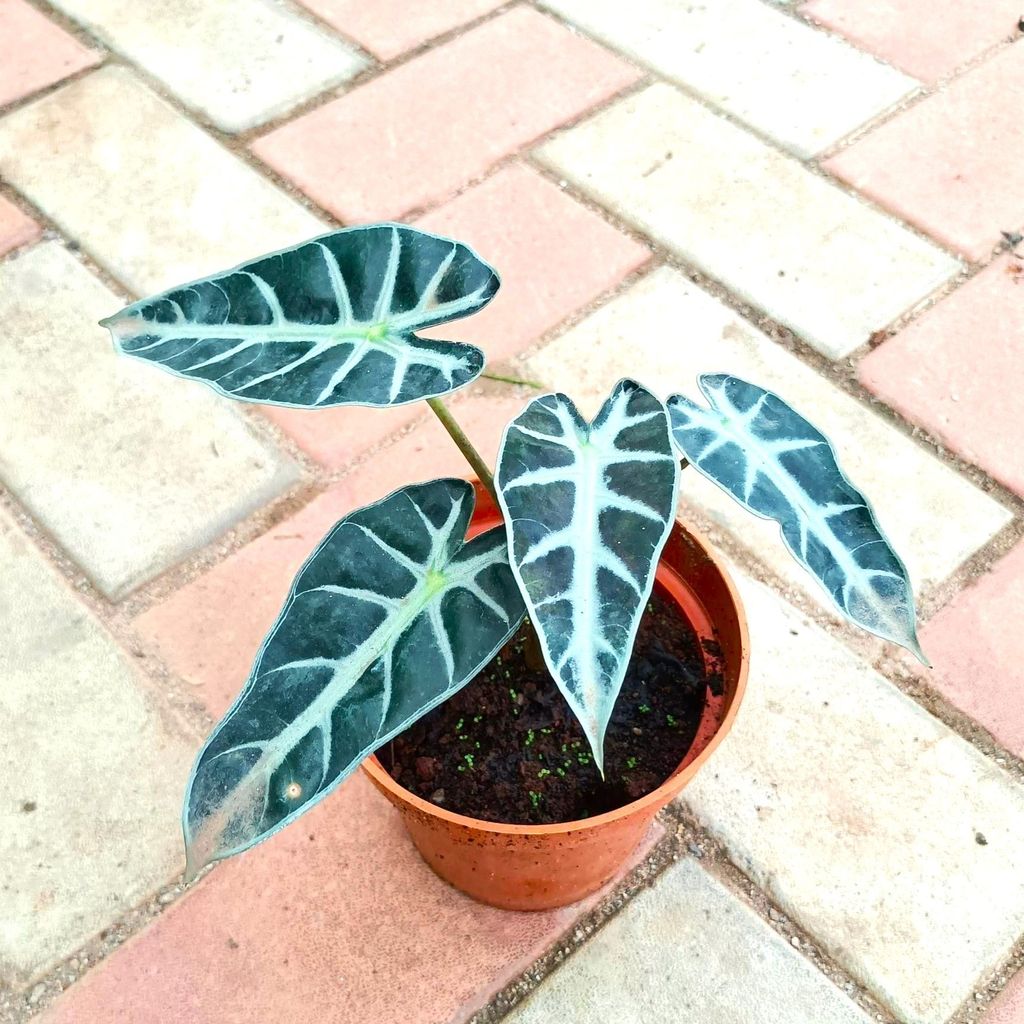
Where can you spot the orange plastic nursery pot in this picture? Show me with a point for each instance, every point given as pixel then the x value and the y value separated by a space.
pixel 537 867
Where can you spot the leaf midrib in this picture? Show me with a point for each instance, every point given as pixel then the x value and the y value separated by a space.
pixel 798 499
pixel 423 595
pixel 270 333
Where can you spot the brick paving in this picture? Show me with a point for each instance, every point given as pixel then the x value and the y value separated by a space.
pixel 813 195
pixel 16 227
pixel 991 655
pixel 803 89
pixel 36 52
pixel 758 221
pixel 908 35
pixel 943 164
pixel 947 371
pixel 1009 1005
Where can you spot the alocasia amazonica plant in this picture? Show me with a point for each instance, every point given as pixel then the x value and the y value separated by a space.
pixel 395 610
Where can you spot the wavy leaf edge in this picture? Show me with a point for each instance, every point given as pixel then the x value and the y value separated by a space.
pixel 708 382
pixel 595 731
pixel 194 865
pixel 462 349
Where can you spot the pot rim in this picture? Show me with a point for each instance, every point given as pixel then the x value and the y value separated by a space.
pixel 657 798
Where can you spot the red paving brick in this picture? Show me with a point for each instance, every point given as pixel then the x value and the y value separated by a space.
pixel 977 651
pixel 951 371
pixel 553 255
pixel 1008 1008
pixel 334 437
pixel 16 228
pixel 915 36
pixel 947 164
pixel 34 52
pixel 209 631
pixel 416 134
pixel 388 28
pixel 335 919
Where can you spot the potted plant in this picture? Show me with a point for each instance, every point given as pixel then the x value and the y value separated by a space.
pixel 528 667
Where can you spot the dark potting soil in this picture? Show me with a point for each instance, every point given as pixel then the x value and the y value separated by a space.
pixel 507 748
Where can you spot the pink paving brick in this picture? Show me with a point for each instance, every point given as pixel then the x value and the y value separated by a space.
pixel 16 228
pixel 553 255
pixel 34 52
pixel 334 919
pixel 947 164
pixel 414 135
pixel 1008 1008
pixel 388 28
pixel 209 631
pixel 925 41
pixel 950 371
pixel 977 651
pixel 334 437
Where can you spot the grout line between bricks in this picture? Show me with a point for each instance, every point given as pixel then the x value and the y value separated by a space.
pixel 797 12
pixel 843 376
pixel 117 618
pixel 924 92
pixel 810 163
pixel 685 839
pixel 377 67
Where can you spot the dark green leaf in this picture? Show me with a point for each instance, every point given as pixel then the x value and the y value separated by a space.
pixel 328 322
pixel 392 613
pixel 588 509
pixel 779 466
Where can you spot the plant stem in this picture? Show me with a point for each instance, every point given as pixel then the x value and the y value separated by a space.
pixel 463 443
pixel 512 380
pixel 533 652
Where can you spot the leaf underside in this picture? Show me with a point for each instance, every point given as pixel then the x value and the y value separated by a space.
pixel 588 508
pixel 325 323
pixel 392 613
pixel 779 466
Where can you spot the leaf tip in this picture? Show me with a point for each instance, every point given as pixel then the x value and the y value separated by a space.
pixel 594 732
pixel 194 863
pixel 915 648
pixel 114 324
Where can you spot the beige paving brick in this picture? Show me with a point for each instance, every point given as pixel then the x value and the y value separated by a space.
pixel 777 234
pixel 803 88
pixel 665 331
pixel 93 772
pixel 239 62
pixel 683 952
pixel 890 839
pixel 148 194
pixel 128 468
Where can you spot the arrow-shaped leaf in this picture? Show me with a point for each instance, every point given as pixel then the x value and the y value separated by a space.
pixel 328 322
pixel 588 508
pixel 392 613
pixel 778 466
